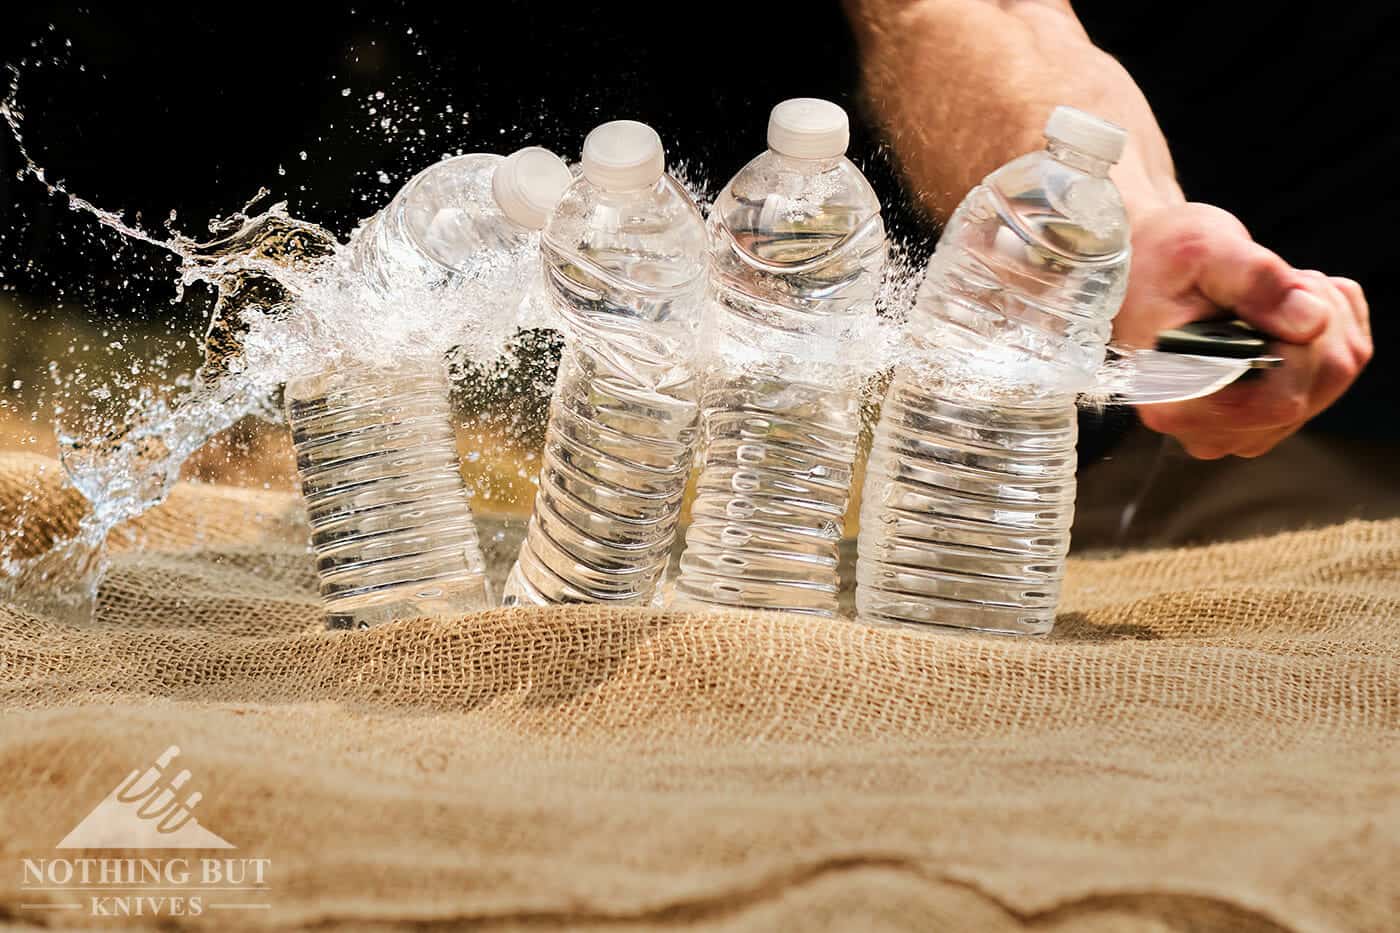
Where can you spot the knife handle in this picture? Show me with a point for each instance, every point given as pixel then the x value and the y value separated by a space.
pixel 1225 337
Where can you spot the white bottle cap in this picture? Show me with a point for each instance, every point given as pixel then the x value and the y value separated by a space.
pixel 1087 133
pixel 623 155
pixel 528 185
pixel 809 128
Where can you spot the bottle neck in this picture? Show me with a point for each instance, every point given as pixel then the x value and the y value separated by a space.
pixel 806 166
pixel 1078 158
pixel 614 195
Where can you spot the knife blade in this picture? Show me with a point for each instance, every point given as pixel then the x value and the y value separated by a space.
pixel 1189 362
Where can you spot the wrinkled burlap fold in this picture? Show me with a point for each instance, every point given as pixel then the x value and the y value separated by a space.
pixel 1208 741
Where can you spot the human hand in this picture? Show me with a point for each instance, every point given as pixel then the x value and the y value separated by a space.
pixel 1190 261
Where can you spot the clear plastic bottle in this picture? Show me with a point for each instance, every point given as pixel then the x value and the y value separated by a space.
pixel 797 251
pixel 625 265
pixel 391 526
pixel 969 492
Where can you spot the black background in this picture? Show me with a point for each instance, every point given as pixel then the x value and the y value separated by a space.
pixel 1282 113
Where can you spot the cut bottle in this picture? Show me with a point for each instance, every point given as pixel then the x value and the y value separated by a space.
pixel 797 251
pixel 624 259
pixel 376 448
pixel 969 492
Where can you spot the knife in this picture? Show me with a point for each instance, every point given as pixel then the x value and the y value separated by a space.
pixel 1188 362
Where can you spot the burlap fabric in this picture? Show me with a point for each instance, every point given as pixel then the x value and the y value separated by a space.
pixel 1208 741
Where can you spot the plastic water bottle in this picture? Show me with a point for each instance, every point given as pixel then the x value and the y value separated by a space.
pixel 376 449
pixel 797 251
pixel 625 266
pixel 969 492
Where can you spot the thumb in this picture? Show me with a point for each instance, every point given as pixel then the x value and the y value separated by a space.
pixel 1238 274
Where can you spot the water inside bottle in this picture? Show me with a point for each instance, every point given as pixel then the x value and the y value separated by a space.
pixel 391 526
pixel 623 419
pixel 799 249
pixel 971 478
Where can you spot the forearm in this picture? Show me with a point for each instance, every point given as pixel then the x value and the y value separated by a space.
pixel 963 86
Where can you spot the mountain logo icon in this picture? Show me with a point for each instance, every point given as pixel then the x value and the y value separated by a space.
pixel 147 810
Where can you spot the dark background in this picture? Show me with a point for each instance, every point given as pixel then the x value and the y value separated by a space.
pixel 1281 113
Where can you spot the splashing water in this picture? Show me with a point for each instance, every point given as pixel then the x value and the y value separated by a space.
pixel 289 302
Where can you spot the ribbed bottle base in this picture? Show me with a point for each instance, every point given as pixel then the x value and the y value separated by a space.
pixel 391 525
pixel 967 510
pixel 616 459
pixel 771 500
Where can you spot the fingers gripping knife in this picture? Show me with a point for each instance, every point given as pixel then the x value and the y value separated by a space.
pixel 1190 361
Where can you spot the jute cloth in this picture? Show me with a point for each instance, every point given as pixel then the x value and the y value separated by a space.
pixel 1207 742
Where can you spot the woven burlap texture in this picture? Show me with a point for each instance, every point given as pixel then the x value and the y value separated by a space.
pixel 1207 741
